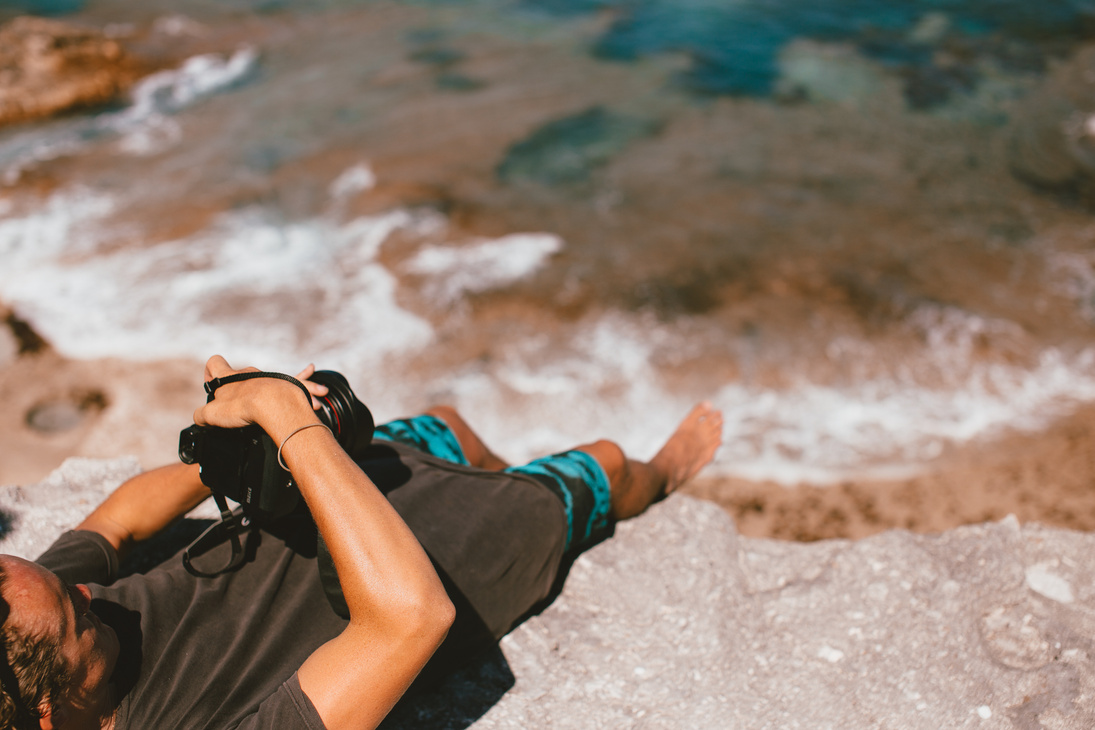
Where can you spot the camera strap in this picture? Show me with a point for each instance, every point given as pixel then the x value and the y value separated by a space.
pixel 232 523
pixel 212 385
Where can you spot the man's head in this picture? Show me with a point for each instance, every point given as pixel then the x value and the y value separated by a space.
pixel 55 650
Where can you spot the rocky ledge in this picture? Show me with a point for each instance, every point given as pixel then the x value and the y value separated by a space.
pixel 678 621
pixel 48 67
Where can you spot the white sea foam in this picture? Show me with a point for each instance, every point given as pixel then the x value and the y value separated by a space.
pixel 147 125
pixel 26 150
pixel 178 25
pixel 356 179
pixel 1073 275
pixel 197 78
pixel 250 286
pixel 144 127
pixel 271 292
pixel 62 226
pixel 542 395
pixel 538 399
pixel 483 265
pixel 887 428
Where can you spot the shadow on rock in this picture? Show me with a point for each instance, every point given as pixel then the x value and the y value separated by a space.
pixel 457 702
pixel 7 523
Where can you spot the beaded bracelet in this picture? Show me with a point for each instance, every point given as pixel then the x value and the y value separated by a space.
pixel 291 435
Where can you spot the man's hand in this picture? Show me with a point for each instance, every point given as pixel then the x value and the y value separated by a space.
pixel 276 405
pixel 151 501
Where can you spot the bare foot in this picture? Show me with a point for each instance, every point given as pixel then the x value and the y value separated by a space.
pixel 638 484
pixel 691 447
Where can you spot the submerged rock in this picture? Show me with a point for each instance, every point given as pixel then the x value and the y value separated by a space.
pixel 17 337
pixel 680 622
pixel 48 67
pixel 815 71
pixel 1052 136
pixel 567 150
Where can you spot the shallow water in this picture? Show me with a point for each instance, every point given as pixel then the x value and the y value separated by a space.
pixel 863 229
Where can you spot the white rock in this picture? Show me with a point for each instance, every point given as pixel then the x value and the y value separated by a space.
pixel 612 651
pixel 1042 580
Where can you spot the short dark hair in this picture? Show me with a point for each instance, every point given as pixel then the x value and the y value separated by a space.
pixel 32 672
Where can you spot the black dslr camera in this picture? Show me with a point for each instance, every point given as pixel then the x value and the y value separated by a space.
pixel 241 464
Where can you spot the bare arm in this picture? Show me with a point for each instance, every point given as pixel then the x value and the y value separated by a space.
pixel 399 611
pixel 146 504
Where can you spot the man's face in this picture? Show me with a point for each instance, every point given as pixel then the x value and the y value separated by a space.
pixel 43 605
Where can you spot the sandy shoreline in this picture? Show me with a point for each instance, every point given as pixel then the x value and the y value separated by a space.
pixel 55 407
pixel 1046 477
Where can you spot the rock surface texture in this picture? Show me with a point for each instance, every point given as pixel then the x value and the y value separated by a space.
pixel 678 622
pixel 47 67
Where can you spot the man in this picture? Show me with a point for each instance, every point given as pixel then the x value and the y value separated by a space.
pixel 426 528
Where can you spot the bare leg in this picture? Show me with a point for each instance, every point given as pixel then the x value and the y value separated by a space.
pixel 637 484
pixel 474 449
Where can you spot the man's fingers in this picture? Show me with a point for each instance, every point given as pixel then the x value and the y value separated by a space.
pixel 315 389
pixel 218 367
pixel 226 411
pixel 203 414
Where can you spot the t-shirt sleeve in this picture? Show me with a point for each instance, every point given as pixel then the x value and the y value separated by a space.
pixel 288 708
pixel 81 556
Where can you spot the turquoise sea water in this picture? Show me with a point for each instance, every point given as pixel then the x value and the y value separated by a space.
pixel 862 228
pixel 733 45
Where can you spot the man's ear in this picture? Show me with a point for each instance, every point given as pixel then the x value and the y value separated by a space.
pixel 51 718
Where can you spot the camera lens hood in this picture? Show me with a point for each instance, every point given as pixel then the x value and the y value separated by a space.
pixel 348 418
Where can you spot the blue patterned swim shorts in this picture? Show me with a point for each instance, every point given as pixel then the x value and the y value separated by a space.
pixel 575 477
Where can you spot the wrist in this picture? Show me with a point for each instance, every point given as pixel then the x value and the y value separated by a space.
pixel 284 410
pixel 293 433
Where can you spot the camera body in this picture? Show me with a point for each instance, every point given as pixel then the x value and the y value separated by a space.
pixel 241 464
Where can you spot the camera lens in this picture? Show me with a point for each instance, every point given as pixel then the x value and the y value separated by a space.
pixel 340 410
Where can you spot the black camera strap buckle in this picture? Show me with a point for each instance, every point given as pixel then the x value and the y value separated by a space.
pixel 228 529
